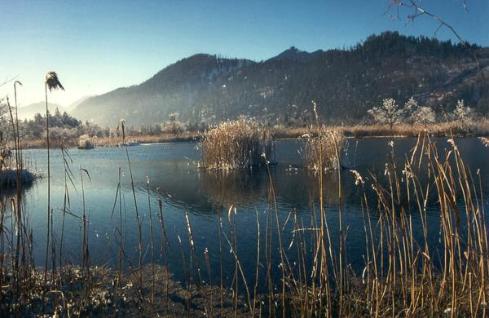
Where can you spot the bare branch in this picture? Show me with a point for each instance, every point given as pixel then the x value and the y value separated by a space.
pixel 418 10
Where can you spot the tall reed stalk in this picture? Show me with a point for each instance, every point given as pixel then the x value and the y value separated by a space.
pixel 138 217
pixel 51 83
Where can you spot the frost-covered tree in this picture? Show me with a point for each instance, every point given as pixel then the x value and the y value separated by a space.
pixel 388 113
pixel 410 107
pixel 461 112
pixel 414 113
pixel 423 115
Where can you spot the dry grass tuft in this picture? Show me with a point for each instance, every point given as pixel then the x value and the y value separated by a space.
pixel 85 142
pixel 236 144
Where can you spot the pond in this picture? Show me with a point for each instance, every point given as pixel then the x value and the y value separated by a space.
pixel 169 173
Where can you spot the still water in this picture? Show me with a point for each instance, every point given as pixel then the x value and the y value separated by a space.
pixel 169 172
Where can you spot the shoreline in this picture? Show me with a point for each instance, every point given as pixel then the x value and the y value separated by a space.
pixel 448 129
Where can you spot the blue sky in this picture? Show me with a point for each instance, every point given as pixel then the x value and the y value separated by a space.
pixel 96 46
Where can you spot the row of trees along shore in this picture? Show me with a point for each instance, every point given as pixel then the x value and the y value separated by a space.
pixel 391 113
pixel 66 129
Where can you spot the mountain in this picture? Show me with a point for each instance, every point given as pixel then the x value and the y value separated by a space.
pixel 29 111
pixel 295 55
pixel 76 103
pixel 344 83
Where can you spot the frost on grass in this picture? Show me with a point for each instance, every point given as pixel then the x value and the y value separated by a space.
pixel 106 293
pixel 236 144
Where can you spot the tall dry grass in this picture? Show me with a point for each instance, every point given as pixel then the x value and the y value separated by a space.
pixel 242 143
pixel 323 151
pixel 420 277
pixel 441 272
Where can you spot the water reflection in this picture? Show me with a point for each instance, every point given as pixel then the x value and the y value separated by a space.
pixel 203 191
pixel 174 178
pixel 226 188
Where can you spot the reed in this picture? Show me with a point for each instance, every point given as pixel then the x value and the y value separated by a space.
pixel 402 274
pixel 323 151
pixel 51 82
pixel 235 144
pixel 442 272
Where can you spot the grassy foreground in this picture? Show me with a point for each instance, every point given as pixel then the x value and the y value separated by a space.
pixel 403 275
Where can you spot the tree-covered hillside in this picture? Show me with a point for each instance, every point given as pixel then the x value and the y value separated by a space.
pixel 205 89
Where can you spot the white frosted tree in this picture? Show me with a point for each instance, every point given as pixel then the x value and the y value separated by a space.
pixel 410 107
pixel 417 114
pixel 424 115
pixel 461 112
pixel 388 113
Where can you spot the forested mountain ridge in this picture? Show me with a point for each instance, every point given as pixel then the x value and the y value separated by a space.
pixel 205 89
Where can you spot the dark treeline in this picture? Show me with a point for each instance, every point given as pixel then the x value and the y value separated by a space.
pixel 345 83
pixel 392 43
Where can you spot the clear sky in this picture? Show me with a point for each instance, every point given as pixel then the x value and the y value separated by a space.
pixel 97 46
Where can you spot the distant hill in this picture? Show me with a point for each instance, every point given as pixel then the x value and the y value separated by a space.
pixel 76 103
pixel 29 111
pixel 344 83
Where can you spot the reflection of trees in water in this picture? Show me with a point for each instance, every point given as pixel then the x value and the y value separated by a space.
pixel 247 187
pixel 8 215
pixel 302 189
pixel 213 190
pixel 9 193
pixel 205 192
pixel 181 188
pixel 208 192
pixel 238 187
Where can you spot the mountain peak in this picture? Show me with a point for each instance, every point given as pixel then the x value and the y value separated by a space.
pixel 293 54
pixel 205 89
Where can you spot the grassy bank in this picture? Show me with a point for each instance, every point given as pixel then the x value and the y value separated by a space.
pixel 473 128
pixel 112 142
pixel 478 128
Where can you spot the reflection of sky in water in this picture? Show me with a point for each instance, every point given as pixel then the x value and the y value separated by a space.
pixel 176 179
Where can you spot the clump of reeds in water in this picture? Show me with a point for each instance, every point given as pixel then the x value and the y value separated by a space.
pixel 9 177
pixel 323 151
pixel 85 142
pixel 236 144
